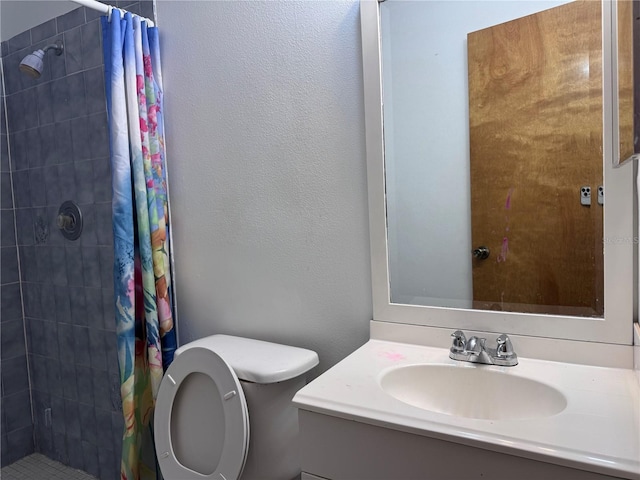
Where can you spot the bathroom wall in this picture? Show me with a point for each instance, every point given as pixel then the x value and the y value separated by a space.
pixel 16 16
pixel 16 429
pixel 59 151
pixel 265 137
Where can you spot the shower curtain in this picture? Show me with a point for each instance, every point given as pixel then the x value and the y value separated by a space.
pixel 142 287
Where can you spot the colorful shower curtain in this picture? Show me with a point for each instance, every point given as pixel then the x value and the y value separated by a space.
pixel 143 306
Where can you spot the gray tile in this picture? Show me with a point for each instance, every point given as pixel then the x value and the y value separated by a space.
pixel 47 135
pixel 106 267
pixel 19 151
pixel 91 266
pixel 146 9
pixel 102 390
pixel 19 404
pixel 36 185
pixel 85 384
pixel 91 48
pixel 38 342
pixel 94 90
pixel 5 48
pixel 88 423
pixel 66 181
pixel 77 101
pixel 64 145
pixel 60 448
pixel 71 19
pixel 35 158
pixel 74 266
pixel 60 98
pixel 65 343
pixel 72 421
pixel 78 307
pixel 42 257
pixel 57 65
pixel 15 377
pixel 43 440
pixel 102 179
pixel 7 228
pixel 88 236
pixel 3 116
pixel 48 302
pixel 9 265
pixel 15 112
pixel 20 443
pixel 50 329
pixel 11 305
pixel 108 305
pixel 45 104
pixel 69 386
pixel 24 226
pixel 55 237
pixel 58 266
pixel 98 349
pixel 81 346
pixel 98 135
pixel 75 453
pixel 91 14
pixel 90 457
pixel 73 50
pixel 32 304
pixel 5 190
pixel 30 108
pixel 103 425
pixel 21 189
pixel 38 369
pixel 117 427
pixel 4 152
pixel 107 460
pixel 53 194
pixel 43 31
pixel 80 139
pixel 20 41
pixel 12 340
pixel 63 304
pixel 84 182
pixel 57 414
pixel 28 264
pixel 40 225
pixel 41 402
pixel 104 227
pixel 95 316
pixel 54 378
pixel 12 75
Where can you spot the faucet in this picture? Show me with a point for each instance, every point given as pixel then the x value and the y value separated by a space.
pixel 474 350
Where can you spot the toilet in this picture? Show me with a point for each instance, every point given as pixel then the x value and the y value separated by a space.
pixel 224 411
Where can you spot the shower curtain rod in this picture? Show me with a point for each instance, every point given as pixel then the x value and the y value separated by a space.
pixel 104 8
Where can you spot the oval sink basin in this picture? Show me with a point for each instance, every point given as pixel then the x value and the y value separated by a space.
pixel 472 392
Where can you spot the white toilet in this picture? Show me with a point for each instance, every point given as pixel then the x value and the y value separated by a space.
pixel 224 410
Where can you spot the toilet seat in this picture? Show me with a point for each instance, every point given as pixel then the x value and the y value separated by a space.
pixel 188 438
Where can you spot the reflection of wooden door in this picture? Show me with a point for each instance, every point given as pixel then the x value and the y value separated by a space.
pixel 535 114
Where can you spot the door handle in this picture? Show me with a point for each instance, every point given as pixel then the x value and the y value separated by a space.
pixel 481 253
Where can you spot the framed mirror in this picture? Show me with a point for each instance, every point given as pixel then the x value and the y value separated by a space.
pixel 486 164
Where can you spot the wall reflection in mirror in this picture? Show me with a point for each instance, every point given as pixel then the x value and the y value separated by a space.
pixel 493 133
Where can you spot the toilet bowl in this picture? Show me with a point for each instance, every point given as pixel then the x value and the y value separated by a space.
pixel 224 410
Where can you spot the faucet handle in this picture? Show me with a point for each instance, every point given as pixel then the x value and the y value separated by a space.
pixel 505 348
pixel 475 345
pixel 459 341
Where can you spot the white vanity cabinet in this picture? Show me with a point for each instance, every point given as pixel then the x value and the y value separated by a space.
pixel 338 449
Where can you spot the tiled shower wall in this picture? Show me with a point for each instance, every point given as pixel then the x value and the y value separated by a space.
pixel 59 150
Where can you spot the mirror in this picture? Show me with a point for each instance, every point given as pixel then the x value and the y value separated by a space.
pixel 627 16
pixel 493 151
pixel 443 312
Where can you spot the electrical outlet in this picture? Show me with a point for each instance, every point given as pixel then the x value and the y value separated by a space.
pixel 600 195
pixel 585 195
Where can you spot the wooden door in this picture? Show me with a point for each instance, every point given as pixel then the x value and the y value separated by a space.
pixel 535 114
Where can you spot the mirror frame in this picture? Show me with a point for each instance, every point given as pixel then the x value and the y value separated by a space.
pixel 617 325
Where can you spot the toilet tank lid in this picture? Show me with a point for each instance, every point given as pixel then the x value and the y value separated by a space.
pixel 257 361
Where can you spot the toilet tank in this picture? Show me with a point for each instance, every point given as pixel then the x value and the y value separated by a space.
pixel 270 375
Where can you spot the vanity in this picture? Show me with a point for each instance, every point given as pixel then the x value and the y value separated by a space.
pixel 487 215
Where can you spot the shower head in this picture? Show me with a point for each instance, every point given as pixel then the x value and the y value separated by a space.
pixel 33 63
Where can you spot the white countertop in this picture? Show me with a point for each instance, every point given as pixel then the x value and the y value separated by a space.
pixel 599 430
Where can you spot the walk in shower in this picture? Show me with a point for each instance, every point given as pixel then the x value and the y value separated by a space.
pixel 60 383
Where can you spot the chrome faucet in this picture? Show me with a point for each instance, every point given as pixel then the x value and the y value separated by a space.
pixel 474 350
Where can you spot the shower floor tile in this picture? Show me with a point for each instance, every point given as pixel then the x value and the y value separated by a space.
pixel 39 467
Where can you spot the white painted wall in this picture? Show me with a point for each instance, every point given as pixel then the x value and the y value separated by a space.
pixel 265 135
pixel 16 16
pixel 426 119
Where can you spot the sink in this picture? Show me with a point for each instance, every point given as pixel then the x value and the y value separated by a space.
pixel 472 392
